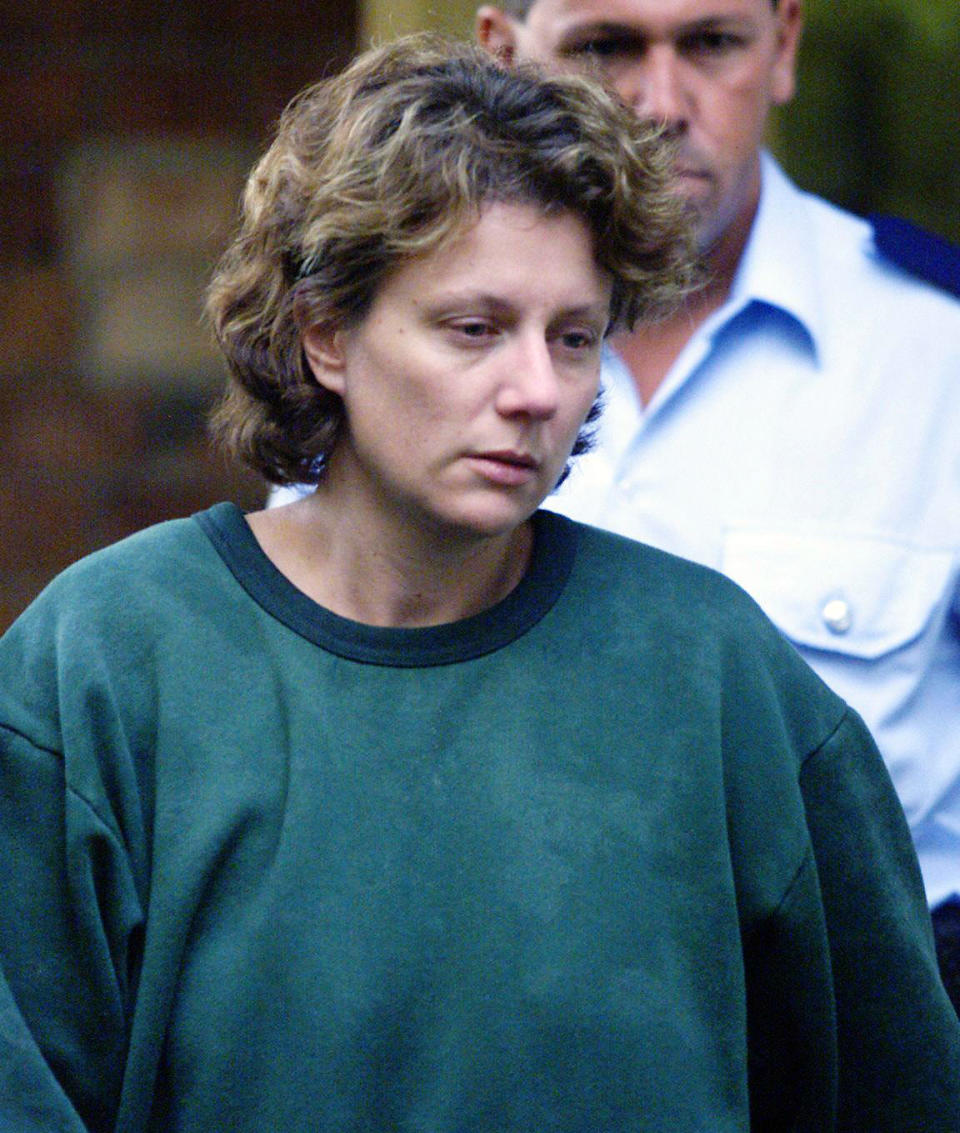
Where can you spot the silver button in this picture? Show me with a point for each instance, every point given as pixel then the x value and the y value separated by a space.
pixel 837 614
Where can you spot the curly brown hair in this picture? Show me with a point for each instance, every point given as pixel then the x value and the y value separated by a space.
pixel 391 159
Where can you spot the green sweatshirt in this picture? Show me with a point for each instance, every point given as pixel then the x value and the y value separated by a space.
pixel 606 857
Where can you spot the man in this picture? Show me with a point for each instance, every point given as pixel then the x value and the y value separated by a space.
pixel 797 424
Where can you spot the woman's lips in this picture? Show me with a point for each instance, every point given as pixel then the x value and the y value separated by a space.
pixel 506 467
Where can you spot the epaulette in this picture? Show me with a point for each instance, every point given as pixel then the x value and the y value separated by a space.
pixel 921 253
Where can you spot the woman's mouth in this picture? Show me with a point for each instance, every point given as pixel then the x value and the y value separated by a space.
pixel 506 467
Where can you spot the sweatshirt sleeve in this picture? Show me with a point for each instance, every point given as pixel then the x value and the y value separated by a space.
pixel 70 925
pixel 898 1035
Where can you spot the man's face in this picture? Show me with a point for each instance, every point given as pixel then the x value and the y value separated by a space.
pixel 708 70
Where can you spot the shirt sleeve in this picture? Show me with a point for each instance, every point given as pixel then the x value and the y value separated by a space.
pixel 897 1033
pixel 69 923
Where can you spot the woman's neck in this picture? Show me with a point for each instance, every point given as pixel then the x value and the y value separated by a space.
pixel 398 577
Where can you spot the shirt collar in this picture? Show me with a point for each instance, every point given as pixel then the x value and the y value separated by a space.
pixel 779 265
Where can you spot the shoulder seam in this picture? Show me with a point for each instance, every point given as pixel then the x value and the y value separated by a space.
pixel 805 860
pixel 807 855
pixel 106 822
pixel 69 788
pixel 844 717
pixel 56 752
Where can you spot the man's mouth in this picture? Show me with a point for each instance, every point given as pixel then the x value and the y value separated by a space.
pixel 689 173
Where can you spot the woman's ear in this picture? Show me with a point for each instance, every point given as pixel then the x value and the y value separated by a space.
pixel 323 347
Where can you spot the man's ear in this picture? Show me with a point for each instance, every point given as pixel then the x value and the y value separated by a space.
pixel 790 19
pixel 324 348
pixel 496 32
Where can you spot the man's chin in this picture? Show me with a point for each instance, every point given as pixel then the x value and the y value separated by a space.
pixel 698 204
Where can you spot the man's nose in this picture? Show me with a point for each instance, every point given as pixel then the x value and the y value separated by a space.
pixel 655 89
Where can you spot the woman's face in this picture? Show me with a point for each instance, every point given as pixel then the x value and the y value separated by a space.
pixel 466 384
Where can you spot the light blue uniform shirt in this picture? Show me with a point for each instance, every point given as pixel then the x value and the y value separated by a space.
pixel 807 444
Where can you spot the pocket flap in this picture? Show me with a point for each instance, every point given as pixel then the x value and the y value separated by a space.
pixel 857 595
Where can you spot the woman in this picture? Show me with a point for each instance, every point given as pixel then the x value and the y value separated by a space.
pixel 407 806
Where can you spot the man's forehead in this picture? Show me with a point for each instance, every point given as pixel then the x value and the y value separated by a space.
pixel 641 12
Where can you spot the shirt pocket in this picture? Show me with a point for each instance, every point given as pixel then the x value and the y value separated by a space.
pixel 856 595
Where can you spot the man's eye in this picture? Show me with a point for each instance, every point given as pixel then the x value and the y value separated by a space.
pixel 712 43
pixel 602 47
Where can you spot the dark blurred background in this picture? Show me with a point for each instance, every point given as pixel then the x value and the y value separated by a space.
pixel 125 134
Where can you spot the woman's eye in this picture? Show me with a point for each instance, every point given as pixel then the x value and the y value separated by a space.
pixel 469 327
pixel 578 340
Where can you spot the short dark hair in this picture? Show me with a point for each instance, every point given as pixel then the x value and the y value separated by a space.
pixel 388 160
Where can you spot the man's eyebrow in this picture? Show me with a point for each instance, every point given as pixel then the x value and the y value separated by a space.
pixel 721 22
pixel 601 28
pixel 596 29
pixel 718 20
